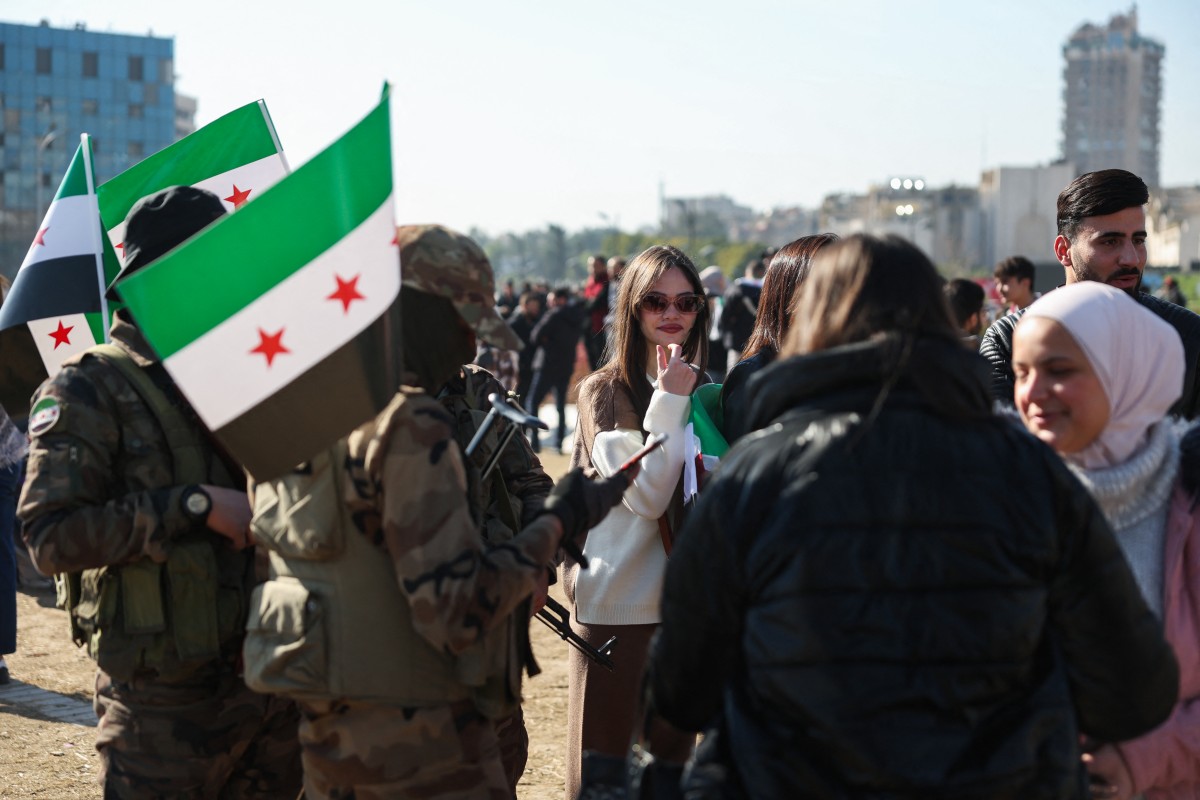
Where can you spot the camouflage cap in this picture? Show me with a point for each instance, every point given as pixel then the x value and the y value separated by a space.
pixel 442 262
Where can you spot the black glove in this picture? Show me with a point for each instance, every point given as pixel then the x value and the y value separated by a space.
pixel 581 504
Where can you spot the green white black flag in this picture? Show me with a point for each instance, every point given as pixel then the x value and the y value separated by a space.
pixel 56 306
pixel 274 321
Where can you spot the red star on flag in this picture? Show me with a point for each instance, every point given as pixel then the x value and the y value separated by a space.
pixel 62 335
pixel 41 236
pixel 270 344
pixel 347 292
pixel 396 237
pixel 238 197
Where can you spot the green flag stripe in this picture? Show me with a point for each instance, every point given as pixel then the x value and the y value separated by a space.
pixel 95 321
pixel 237 138
pixel 74 183
pixel 244 255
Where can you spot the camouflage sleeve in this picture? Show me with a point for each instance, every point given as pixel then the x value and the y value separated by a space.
pixel 75 511
pixel 457 586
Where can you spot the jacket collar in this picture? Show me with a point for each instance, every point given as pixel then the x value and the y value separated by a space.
pixel 940 374
pixel 127 335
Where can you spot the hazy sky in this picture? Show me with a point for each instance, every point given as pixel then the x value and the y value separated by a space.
pixel 509 114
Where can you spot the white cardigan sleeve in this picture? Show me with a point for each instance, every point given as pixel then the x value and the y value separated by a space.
pixel 650 493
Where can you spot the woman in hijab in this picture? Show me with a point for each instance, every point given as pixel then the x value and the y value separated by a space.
pixel 887 591
pixel 1095 375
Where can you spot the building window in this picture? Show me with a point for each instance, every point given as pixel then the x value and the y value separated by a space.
pixel 150 94
pixel 1 55
pixel 134 150
pixel 43 61
pixel 44 105
pixel 166 71
pixel 136 68
pixel 135 111
pixel 46 180
pixel 91 64
pixel 90 107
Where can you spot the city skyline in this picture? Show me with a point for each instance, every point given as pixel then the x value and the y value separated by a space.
pixel 510 117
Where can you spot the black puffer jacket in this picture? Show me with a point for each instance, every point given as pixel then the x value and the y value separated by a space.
pixel 915 600
pixel 996 347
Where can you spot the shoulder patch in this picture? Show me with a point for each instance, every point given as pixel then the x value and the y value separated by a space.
pixel 44 414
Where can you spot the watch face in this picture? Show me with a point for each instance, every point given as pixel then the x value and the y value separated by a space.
pixel 197 503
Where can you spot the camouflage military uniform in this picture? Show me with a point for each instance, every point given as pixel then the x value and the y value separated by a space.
pixel 518 482
pixel 405 486
pixel 100 493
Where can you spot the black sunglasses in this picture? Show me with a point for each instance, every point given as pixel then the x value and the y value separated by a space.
pixel 657 303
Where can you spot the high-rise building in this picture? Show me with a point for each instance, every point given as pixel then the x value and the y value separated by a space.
pixel 1112 98
pixel 56 84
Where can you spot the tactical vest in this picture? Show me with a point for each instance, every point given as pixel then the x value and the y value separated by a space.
pixel 332 622
pixel 172 617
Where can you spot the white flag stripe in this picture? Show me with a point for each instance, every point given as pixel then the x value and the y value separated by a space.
pixel 79 337
pixel 313 326
pixel 66 230
pixel 256 176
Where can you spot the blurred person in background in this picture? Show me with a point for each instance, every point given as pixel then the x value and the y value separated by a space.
pixel 787 272
pixel 966 304
pixel 714 291
pixel 595 296
pixel 740 309
pixel 522 322
pixel 555 338
pixel 1014 282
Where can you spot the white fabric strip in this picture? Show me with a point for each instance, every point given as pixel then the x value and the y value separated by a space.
pixel 257 176
pixel 54 331
pixel 224 378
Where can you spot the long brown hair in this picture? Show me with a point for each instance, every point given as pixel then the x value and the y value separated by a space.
pixel 788 270
pixel 626 355
pixel 863 286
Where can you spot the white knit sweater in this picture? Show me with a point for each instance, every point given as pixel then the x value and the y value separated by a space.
pixel 623 584
pixel 1135 497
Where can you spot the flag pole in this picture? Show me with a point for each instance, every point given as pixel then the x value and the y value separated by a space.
pixel 97 242
pixel 262 106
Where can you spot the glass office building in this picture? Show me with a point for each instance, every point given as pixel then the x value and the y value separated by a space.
pixel 56 84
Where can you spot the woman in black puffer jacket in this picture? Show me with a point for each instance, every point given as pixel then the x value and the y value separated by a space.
pixel 887 592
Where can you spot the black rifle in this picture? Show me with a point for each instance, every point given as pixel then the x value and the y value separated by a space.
pixel 558 619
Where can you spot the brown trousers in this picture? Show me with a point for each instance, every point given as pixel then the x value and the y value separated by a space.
pixel 602 706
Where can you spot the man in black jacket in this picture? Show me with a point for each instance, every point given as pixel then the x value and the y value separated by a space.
pixel 1102 237
pixel 555 338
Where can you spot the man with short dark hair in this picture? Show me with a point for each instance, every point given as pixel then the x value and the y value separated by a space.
pixel 1014 282
pixel 1102 237
pixel 966 303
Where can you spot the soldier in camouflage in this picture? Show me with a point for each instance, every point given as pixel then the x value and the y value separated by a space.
pixel 501 504
pixel 405 705
pixel 144 519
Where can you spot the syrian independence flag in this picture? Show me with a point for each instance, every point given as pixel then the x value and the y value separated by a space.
pixel 276 321
pixel 56 307
pixel 235 157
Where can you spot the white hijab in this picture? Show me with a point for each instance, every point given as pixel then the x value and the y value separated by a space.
pixel 1137 357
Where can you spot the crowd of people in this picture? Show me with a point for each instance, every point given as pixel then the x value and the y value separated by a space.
pixel 933 564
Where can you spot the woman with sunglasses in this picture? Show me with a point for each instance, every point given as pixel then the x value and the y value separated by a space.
pixel 658 346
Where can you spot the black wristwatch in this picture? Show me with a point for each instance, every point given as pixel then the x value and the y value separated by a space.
pixel 196 503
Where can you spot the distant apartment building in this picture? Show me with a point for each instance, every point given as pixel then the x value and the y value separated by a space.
pixel 714 215
pixel 1112 98
pixel 56 84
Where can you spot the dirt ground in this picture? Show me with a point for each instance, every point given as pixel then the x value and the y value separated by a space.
pixel 45 759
